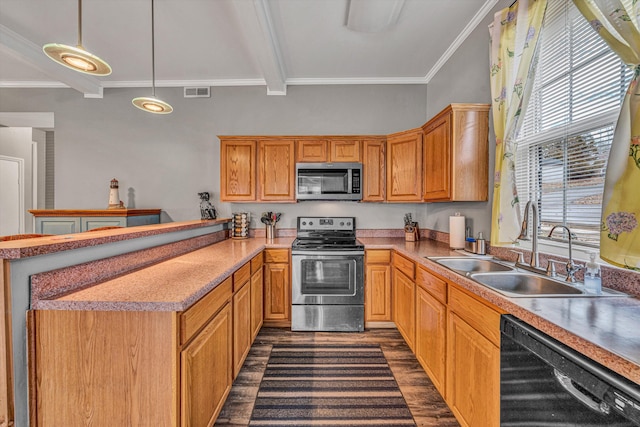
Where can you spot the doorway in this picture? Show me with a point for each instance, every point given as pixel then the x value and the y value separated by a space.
pixel 11 195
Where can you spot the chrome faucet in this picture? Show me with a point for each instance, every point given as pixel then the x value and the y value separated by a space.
pixel 572 267
pixel 535 256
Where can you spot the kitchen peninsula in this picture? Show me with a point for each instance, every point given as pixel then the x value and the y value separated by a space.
pixel 196 268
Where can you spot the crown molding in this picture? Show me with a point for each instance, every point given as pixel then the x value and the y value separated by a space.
pixel 468 29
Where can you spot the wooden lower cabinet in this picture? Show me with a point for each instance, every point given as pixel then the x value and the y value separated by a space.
pixel 242 333
pixel 431 330
pixel 205 377
pixel 6 353
pixel 473 360
pixel 108 368
pixel 377 289
pixel 404 298
pixel 257 295
pixel 277 288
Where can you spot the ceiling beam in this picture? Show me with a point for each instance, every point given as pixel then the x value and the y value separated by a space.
pixel 257 26
pixel 31 53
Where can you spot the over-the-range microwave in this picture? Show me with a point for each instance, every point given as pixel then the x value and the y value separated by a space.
pixel 329 181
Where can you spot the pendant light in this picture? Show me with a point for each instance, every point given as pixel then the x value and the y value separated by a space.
pixel 77 58
pixel 152 104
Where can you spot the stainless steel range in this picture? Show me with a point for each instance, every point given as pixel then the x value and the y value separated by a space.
pixel 327 276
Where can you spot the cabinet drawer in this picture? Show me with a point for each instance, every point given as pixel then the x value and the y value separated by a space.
pixel 405 265
pixel 481 317
pixel 256 263
pixel 241 276
pixel 378 256
pixel 276 255
pixel 432 284
pixel 198 314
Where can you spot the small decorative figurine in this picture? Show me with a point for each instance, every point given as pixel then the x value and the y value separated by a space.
pixel 114 196
pixel 207 211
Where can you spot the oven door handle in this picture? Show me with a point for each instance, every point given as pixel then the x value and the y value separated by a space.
pixel 327 253
pixel 565 382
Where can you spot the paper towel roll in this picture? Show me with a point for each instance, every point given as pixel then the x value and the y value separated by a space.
pixel 456 232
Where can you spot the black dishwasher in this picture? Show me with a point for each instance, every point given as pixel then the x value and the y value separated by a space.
pixel 545 383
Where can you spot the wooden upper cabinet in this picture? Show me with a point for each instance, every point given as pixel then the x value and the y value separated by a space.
pixel 404 166
pixel 276 163
pixel 237 170
pixel 373 165
pixel 456 154
pixel 344 151
pixel 323 150
pixel 313 151
pixel 437 160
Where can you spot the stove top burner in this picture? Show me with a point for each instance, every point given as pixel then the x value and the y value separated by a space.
pixel 327 244
pixel 326 233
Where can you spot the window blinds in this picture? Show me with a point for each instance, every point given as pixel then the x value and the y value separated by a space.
pixel 568 126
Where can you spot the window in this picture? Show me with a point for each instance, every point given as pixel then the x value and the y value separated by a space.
pixel 567 130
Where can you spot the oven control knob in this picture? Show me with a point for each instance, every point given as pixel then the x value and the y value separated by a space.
pixel 310 222
pixel 304 222
pixel 341 223
pixel 349 223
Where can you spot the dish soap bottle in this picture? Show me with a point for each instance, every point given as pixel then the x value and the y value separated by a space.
pixel 592 276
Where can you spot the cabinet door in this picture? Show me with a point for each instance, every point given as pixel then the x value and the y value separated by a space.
pixel 206 372
pixel 377 293
pixel 344 151
pixel 373 165
pixel 473 375
pixel 237 170
pixel 58 225
pixel 277 169
pixel 312 151
pixel 437 159
pixel 241 326
pixel 404 299
pixel 431 329
pixel 89 223
pixel 277 294
pixel 404 166
pixel 257 303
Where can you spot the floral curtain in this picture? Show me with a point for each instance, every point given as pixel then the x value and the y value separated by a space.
pixel 617 22
pixel 514 36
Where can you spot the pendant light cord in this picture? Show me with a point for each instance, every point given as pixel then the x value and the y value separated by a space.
pixel 153 55
pixel 80 23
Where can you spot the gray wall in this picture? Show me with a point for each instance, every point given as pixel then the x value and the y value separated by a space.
pixel 163 161
pixel 465 78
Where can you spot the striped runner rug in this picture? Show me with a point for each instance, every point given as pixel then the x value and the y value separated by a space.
pixel 329 385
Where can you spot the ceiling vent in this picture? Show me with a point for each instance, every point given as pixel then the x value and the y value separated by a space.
pixel 197 92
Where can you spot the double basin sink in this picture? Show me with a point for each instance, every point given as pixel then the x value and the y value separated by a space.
pixel 513 282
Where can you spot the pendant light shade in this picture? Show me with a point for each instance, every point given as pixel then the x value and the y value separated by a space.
pixel 152 104
pixel 77 58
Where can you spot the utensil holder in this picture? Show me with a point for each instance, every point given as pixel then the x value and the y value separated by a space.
pixel 271 231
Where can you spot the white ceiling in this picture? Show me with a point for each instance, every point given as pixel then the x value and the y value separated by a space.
pixel 273 43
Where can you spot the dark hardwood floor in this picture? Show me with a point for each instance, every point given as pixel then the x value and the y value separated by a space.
pixel 426 405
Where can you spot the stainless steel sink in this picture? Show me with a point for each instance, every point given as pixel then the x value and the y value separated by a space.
pixel 516 284
pixel 523 284
pixel 466 265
